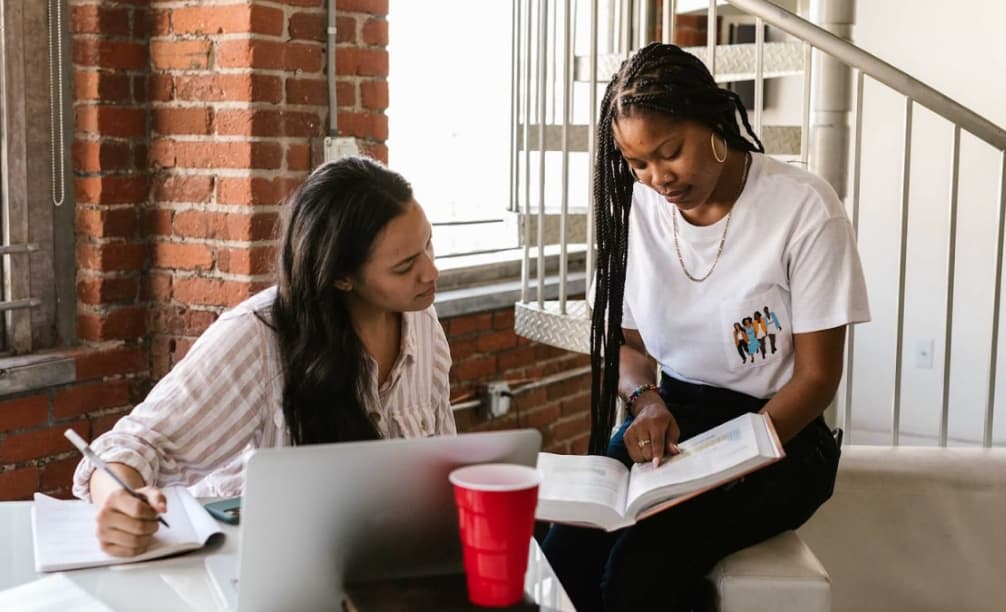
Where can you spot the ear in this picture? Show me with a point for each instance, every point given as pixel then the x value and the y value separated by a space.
pixel 344 284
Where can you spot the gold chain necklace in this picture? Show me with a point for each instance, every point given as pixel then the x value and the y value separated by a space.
pixel 723 238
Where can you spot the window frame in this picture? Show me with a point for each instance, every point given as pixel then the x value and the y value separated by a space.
pixel 28 215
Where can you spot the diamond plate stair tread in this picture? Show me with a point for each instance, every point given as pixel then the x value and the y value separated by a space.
pixel 548 326
pixel 733 62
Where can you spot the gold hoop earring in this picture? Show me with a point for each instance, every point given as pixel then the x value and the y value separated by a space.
pixel 712 143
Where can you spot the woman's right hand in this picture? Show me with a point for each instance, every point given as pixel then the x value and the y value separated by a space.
pixel 126 524
pixel 655 427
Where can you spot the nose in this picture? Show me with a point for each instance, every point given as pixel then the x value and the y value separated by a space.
pixel 656 177
pixel 656 181
pixel 430 272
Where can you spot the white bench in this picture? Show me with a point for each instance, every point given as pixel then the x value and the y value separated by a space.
pixel 915 528
pixel 908 528
pixel 780 574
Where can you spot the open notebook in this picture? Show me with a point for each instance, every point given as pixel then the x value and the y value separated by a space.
pixel 63 532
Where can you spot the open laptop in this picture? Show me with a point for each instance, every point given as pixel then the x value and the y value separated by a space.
pixel 315 517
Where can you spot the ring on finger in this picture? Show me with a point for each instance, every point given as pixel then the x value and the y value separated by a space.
pixel 642 443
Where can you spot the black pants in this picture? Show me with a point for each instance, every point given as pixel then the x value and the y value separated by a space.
pixel 660 562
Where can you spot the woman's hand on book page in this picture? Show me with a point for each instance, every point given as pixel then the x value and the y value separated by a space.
pixel 654 433
pixel 126 524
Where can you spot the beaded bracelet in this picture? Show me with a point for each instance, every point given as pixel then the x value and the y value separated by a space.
pixel 641 389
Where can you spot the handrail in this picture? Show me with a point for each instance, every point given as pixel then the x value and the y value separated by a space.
pixel 877 68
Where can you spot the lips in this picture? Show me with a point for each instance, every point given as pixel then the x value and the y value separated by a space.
pixel 675 194
pixel 428 292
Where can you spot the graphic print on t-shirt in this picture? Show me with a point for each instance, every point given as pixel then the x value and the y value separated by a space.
pixel 754 330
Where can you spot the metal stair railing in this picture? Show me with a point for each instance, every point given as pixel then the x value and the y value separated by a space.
pixel 915 92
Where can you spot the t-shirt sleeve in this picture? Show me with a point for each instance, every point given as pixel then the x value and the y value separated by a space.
pixel 826 278
pixel 627 318
pixel 628 321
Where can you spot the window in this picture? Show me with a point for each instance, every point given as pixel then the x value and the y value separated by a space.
pixel 449 118
pixel 37 301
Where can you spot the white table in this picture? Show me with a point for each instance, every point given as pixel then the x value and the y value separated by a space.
pixel 181 583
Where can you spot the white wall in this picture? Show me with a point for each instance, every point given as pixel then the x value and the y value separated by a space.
pixel 955 47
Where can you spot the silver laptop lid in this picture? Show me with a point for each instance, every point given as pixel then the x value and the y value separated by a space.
pixel 316 516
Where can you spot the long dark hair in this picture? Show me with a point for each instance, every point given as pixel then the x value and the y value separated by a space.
pixel 663 80
pixel 330 226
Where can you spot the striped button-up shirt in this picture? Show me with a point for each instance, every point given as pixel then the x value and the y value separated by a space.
pixel 201 422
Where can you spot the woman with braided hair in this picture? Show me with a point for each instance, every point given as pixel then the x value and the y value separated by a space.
pixel 696 230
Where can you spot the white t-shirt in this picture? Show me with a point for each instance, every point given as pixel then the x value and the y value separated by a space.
pixel 789 265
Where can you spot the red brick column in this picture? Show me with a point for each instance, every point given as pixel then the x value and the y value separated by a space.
pixel 361 65
pixel 223 156
pixel 238 97
pixel 111 177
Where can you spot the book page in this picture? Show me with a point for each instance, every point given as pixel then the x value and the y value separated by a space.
pixel 201 522
pixel 64 532
pixel 707 454
pixel 585 479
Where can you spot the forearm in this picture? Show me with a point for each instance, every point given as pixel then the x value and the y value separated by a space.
pixel 816 374
pixel 101 484
pixel 635 370
pixel 798 403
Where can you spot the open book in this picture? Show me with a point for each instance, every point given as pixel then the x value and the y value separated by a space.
pixel 601 492
pixel 64 532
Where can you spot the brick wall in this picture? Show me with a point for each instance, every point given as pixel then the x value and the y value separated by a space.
pixel 192 122
pixel 112 181
pixel 551 393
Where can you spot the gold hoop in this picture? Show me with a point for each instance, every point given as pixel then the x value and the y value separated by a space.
pixel 712 143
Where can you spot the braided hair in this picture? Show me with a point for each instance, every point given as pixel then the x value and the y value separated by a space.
pixel 658 79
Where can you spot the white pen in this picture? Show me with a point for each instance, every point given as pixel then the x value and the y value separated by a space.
pixel 82 446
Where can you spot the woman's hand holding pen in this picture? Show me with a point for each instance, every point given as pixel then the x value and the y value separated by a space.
pixel 654 433
pixel 126 524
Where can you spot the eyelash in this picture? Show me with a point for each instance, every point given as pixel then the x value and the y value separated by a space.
pixel 672 155
pixel 641 166
pixel 406 270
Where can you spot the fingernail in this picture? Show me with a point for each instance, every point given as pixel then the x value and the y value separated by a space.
pixel 656 462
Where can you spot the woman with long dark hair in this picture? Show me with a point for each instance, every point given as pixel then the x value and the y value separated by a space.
pixel 696 229
pixel 347 346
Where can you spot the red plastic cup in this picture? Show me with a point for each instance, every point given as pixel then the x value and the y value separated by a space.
pixel 496 503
